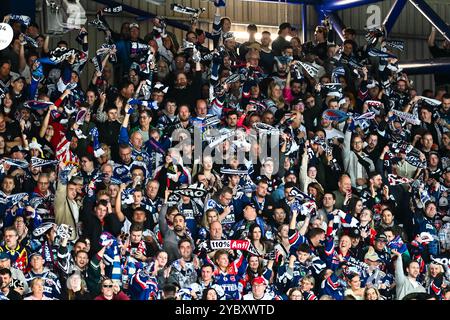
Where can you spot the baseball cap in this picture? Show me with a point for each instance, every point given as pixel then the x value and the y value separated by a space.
pixel 354 233
pixel 34 254
pixel 289 172
pixel 251 204
pixel 443 202
pixel 18 149
pixel 16 76
pixel 4 256
pixel 259 280
pixel 134 25
pixel 381 237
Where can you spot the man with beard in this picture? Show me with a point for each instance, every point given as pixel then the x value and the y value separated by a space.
pixel 30 182
pixel 401 95
pixel 172 235
pixel 6 285
pixel 281 73
pixel 373 147
pixel 356 162
pixel 184 271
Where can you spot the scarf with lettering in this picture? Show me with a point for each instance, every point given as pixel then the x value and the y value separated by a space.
pixel 112 256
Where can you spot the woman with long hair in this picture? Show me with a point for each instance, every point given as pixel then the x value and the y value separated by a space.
pixel 8 107
pixel 355 207
pixel 436 280
pixel 283 246
pixel 354 287
pixel 159 268
pixel 275 101
pixel 315 189
pixel 297 48
pixel 209 217
pixel 210 174
pixel 367 226
pixel 77 288
pixel 259 242
pixel 255 268
pixel 372 293
pixel 210 294
pixel 171 174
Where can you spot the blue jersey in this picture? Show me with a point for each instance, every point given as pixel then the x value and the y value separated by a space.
pixel 229 220
pixel 229 280
pixel 334 287
pixel 52 286
pixel 230 285
pixel 192 212
pixel 143 286
pixel 289 278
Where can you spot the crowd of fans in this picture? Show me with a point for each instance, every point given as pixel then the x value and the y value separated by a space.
pixel 256 171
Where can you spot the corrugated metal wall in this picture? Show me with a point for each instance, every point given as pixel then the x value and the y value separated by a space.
pixel 411 25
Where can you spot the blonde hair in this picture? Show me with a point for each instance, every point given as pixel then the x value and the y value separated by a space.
pixel 280 101
pixel 204 221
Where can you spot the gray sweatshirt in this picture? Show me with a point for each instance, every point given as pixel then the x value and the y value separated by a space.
pixel 405 285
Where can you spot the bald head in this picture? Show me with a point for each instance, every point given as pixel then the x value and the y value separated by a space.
pixel 215 230
pixel 137 140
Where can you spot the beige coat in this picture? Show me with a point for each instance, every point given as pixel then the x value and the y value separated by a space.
pixel 65 209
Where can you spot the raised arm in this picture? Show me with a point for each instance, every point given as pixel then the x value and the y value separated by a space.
pixel 22 60
pixel 432 37
pixel 118 204
pixel 46 121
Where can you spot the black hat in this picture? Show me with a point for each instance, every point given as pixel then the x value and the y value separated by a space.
pixel 289 172
pixel 354 233
pixel 250 204
pixel 17 149
pixel 381 237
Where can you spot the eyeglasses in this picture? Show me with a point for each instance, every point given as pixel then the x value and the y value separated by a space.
pixel 107 286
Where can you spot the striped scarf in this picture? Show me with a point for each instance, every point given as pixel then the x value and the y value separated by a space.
pixel 112 257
